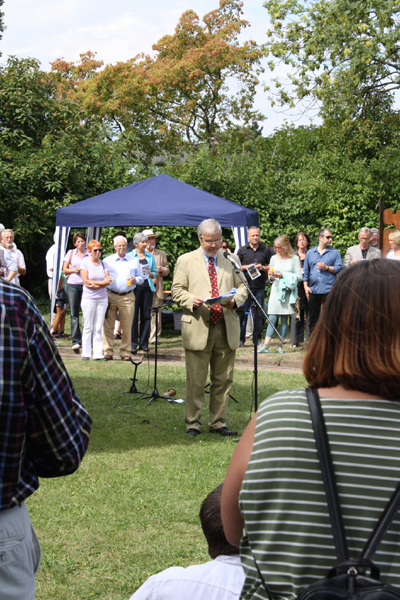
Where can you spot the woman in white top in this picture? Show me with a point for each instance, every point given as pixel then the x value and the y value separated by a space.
pixel 94 301
pixel 285 271
pixel 394 243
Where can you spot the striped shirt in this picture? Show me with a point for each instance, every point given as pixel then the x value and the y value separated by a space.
pixel 44 429
pixel 282 500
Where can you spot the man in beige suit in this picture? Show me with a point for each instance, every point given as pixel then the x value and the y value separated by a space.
pixel 363 251
pixel 162 271
pixel 210 336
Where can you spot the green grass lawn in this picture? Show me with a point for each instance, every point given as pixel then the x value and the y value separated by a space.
pixel 131 510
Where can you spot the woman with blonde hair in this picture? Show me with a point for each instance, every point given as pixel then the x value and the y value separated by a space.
pixel 394 243
pixel 284 273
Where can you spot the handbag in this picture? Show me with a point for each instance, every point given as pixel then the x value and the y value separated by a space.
pixel 350 579
pixel 297 308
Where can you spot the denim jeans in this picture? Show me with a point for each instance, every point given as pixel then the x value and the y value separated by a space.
pixel 74 292
pixel 284 324
pixel 260 295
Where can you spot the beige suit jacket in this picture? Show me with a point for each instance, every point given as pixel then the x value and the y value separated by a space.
pixel 161 261
pixel 354 252
pixel 191 279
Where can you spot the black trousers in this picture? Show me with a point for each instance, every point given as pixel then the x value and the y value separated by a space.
pixel 315 302
pixel 143 303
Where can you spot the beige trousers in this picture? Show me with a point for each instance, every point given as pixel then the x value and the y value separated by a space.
pixel 125 305
pixel 156 302
pixel 221 359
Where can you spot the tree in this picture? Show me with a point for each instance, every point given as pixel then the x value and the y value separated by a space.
pixel 343 55
pixel 181 95
pixel 50 156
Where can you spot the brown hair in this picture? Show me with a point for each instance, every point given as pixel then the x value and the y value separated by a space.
pixel 93 244
pixel 283 241
pixel 356 342
pixel 305 235
pixel 78 235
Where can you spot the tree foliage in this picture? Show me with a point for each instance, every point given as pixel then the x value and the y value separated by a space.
pixel 180 95
pixel 305 178
pixel 50 156
pixel 343 54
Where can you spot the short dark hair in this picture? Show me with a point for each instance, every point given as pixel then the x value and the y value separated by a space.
pixel 211 523
pixel 78 235
pixel 224 241
pixel 304 234
pixel 356 342
pixel 321 232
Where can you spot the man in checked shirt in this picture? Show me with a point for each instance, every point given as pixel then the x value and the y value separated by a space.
pixel 44 432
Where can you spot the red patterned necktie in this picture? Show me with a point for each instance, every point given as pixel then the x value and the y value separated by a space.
pixel 216 309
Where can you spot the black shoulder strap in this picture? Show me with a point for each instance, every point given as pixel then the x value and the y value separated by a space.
pixel 325 460
pixel 383 525
pixel 328 475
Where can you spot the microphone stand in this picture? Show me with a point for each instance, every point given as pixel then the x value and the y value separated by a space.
pixel 154 394
pixel 258 307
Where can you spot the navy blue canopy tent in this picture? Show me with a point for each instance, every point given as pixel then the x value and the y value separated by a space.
pixel 160 200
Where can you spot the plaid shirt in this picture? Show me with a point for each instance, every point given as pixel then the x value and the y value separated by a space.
pixel 44 429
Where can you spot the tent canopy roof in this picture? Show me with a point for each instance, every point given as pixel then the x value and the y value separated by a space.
pixel 160 200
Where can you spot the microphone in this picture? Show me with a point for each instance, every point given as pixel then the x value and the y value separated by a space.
pixel 232 260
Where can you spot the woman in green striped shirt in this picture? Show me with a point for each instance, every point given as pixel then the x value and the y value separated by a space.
pixel 273 499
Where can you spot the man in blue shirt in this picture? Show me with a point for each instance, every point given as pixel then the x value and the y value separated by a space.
pixel 321 266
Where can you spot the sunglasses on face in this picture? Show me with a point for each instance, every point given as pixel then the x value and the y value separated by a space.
pixel 96 250
pixel 277 247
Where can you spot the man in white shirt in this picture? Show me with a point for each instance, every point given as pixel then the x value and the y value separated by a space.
pixel 8 266
pixel 8 239
pixel 125 272
pixel 220 579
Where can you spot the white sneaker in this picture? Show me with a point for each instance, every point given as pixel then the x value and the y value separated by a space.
pixel 76 347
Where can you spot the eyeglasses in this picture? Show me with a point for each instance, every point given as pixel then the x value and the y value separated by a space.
pixel 328 237
pixel 277 247
pixel 213 242
pixel 224 247
pixel 97 250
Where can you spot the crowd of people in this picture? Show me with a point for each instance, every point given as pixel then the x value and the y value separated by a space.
pixel 116 295
pixel 272 503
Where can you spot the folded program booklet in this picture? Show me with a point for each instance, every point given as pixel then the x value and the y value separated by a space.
pixel 224 299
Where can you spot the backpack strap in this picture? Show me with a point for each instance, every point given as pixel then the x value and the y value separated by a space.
pixel 328 475
pixel 382 526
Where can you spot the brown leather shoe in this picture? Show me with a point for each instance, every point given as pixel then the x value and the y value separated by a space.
pixel 108 357
pixel 125 358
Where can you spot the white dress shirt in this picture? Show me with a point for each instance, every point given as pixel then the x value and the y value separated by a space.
pixel 219 579
pixel 120 269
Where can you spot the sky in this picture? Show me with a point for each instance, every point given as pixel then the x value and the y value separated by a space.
pixel 117 30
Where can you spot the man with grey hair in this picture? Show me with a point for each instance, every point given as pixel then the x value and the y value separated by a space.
pixel 8 266
pixel 125 271
pixel 374 241
pixel 210 335
pixel 158 281
pixel 8 239
pixel 363 250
